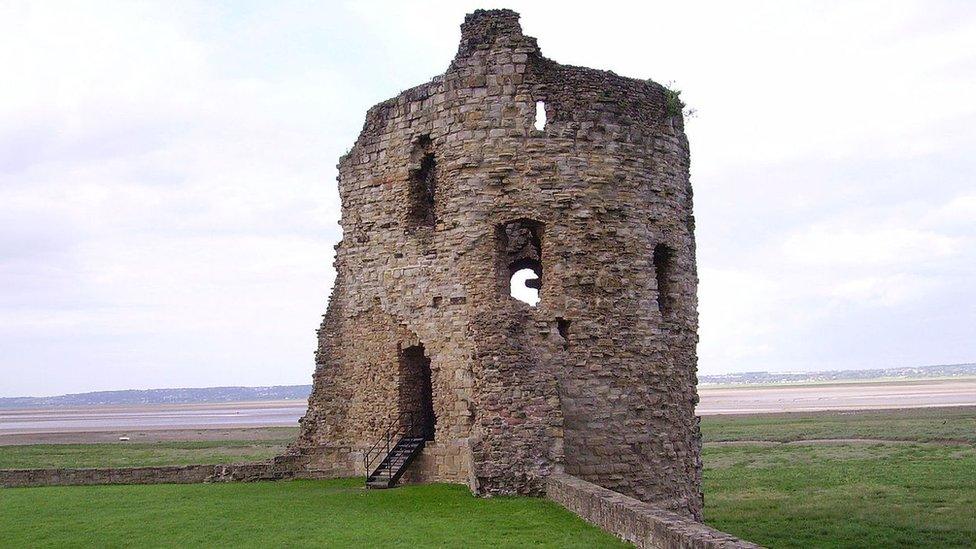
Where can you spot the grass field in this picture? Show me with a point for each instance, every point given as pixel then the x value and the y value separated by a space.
pixel 847 495
pixel 919 490
pixel 781 480
pixel 284 514
pixel 921 425
pixel 135 454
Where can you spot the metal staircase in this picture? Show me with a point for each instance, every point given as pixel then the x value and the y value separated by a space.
pixel 389 457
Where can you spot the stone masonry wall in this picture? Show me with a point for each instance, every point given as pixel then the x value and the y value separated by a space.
pixel 635 521
pixel 447 189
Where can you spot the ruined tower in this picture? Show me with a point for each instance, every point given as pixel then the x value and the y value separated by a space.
pixel 449 190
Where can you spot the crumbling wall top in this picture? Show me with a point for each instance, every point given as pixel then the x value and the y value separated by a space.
pixel 483 29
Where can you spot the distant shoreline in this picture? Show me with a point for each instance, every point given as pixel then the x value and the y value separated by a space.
pixel 714 400
pixel 135 408
pixel 220 396
pixel 809 397
pixel 303 402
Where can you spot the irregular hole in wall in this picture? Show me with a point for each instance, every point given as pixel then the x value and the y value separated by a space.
pixel 540 115
pixel 520 259
pixel 563 326
pixel 525 285
pixel 663 272
pixel 423 183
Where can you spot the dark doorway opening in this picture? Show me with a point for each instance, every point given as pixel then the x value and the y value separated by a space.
pixel 416 391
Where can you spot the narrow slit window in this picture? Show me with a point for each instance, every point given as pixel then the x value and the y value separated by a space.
pixel 540 115
pixel 423 185
pixel 663 271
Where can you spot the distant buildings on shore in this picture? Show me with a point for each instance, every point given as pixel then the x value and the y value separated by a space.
pixel 906 373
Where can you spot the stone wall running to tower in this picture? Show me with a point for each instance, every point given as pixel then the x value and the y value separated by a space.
pixel 450 189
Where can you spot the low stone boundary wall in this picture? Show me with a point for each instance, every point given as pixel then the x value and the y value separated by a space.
pixel 183 474
pixel 639 523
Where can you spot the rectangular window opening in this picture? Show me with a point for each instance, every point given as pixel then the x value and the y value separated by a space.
pixel 423 185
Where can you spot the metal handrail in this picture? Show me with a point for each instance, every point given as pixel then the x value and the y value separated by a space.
pixel 395 428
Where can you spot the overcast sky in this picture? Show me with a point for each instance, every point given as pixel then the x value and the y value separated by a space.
pixel 168 202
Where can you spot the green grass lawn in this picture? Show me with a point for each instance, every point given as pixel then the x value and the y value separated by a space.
pixel 135 454
pixel 779 492
pixel 337 513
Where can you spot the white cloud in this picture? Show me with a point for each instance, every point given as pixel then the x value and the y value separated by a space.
pixel 739 314
pixel 959 212
pixel 827 246
pixel 885 291
pixel 159 199
pixel 881 265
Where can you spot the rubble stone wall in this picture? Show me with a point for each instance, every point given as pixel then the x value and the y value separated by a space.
pixel 450 187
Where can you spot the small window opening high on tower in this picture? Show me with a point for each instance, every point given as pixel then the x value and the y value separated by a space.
pixel 663 271
pixel 423 184
pixel 540 115
pixel 520 259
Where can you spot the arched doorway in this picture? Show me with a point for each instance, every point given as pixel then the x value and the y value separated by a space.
pixel 416 390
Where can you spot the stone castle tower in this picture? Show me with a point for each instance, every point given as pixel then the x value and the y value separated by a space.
pixel 449 190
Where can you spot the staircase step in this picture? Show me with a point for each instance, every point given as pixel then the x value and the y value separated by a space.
pixel 394 463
